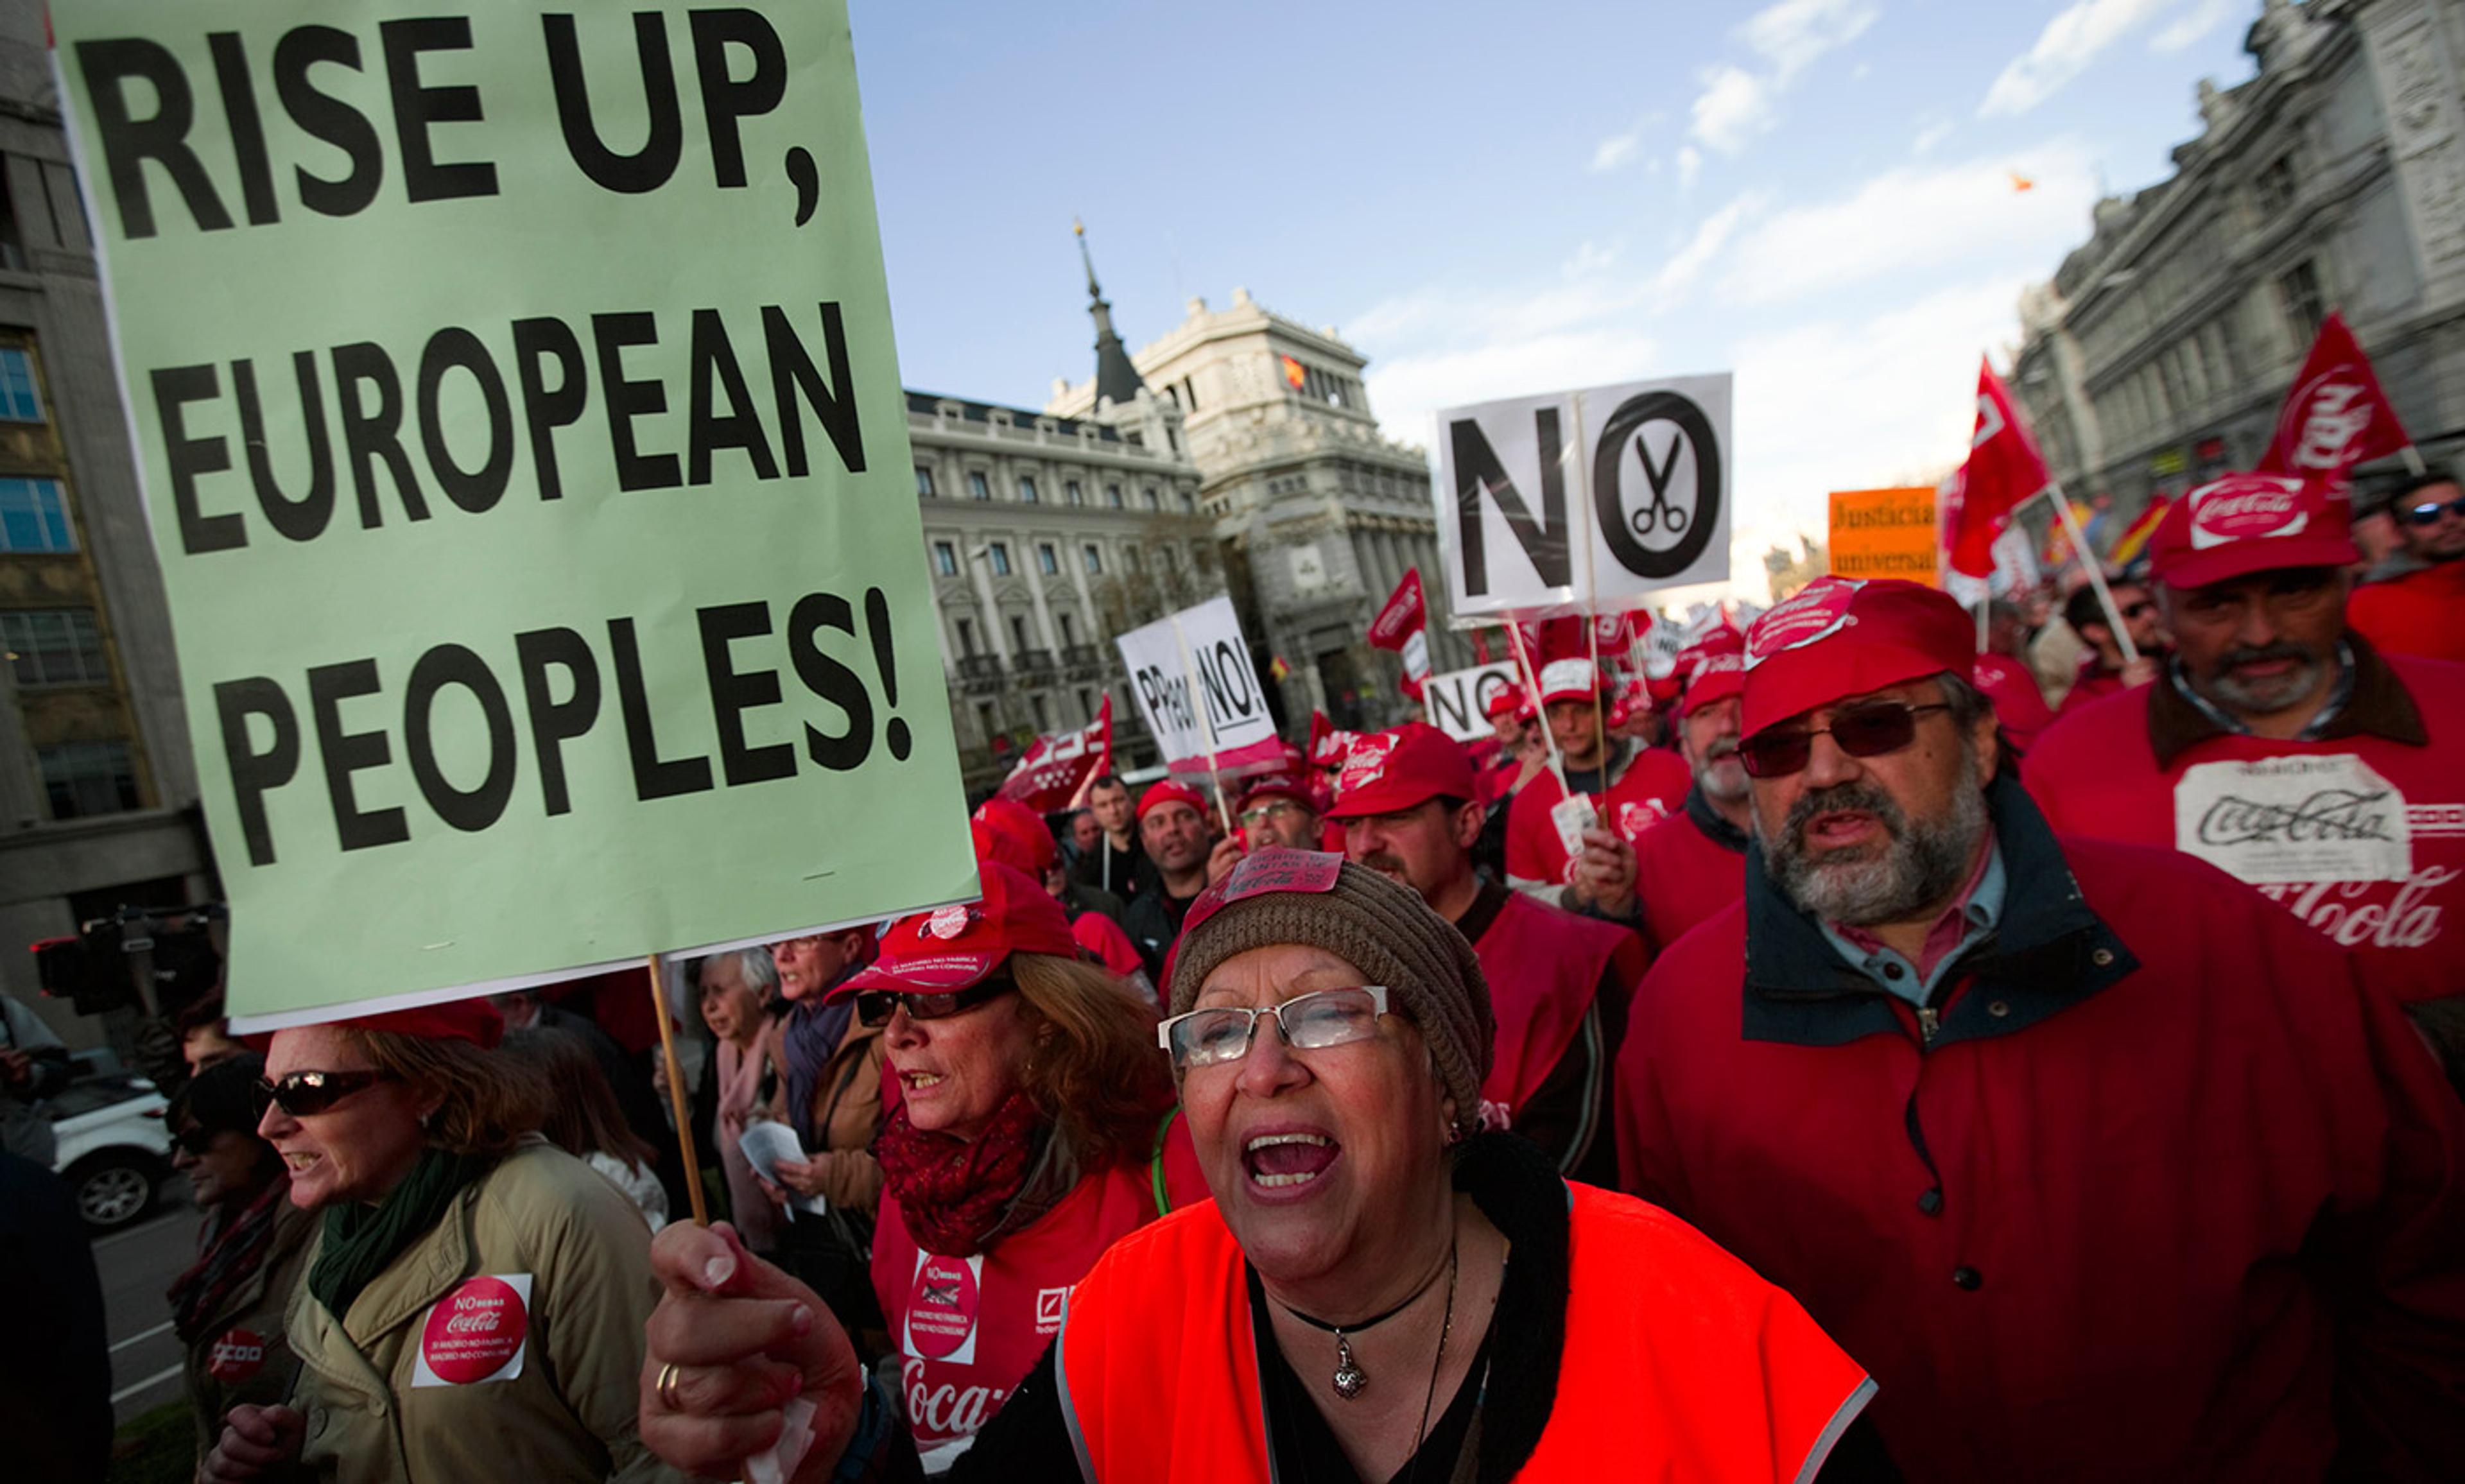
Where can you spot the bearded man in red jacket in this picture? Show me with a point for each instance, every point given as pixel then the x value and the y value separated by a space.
pixel 2282 747
pixel 2103 1166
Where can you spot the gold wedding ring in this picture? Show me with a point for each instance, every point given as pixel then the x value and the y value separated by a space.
pixel 667 1387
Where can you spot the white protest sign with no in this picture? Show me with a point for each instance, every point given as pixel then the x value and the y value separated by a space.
pixel 1195 685
pixel 1458 700
pixel 1645 467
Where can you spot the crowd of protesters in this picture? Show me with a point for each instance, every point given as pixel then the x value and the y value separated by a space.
pixel 1861 1052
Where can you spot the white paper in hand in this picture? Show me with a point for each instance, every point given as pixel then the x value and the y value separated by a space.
pixel 765 1145
pixel 777 1464
pixel 1573 815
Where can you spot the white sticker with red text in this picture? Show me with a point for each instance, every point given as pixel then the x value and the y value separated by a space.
pixel 942 1307
pixel 475 1334
pixel 2307 817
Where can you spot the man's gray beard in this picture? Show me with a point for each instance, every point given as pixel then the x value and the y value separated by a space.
pixel 2265 698
pixel 1707 774
pixel 1922 863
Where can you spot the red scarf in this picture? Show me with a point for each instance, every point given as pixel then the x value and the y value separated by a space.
pixel 235 1253
pixel 956 1194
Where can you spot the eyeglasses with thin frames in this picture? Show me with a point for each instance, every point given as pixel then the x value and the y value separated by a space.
pixel 1323 1018
pixel 1868 730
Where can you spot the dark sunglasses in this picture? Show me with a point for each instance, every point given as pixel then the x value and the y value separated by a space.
pixel 1867 731
pixel 2426 514
pixel 876 1006
pixel 303 1093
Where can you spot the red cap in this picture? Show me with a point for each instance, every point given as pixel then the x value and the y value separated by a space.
pixel 474 1020
pixel 952 947
pixel 1569 679
pixel 1170 790
pixel 1402 769
pixel 1709 679
pixel 1282 785
pixel 1841 636
pixel 1505 701
pixel 1011 832
pixel 2250 523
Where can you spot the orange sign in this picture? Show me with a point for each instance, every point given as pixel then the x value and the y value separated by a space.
pixel 1885 533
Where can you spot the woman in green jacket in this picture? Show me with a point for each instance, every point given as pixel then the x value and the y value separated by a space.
pixel 474 1303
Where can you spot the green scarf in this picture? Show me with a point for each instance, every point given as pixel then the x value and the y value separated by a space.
pixel 362 1241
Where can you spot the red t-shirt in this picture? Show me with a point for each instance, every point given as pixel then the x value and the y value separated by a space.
pixel 2422 613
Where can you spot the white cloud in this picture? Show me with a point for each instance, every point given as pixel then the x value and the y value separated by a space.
pixel 1616 150
pixel 1931 136
pixel 1589 259
pixel 2189 29
pixel 1688 263
pixel 1734 106
pixel 1915 217
pixel 1410 388
pixel 2071 41
pixel 1793 34
pixel 1690 164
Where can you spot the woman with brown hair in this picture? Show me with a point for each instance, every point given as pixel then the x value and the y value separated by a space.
pixel 474 1303
pixel 578 1113
pixel 1034 1125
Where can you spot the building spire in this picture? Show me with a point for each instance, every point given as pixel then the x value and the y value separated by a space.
pixel 1116 377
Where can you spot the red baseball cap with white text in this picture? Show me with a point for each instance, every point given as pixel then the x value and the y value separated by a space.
pixel 1402 769
pixel 1170 790
pixel 2251 523
pixel 1843 636
pixel 952 947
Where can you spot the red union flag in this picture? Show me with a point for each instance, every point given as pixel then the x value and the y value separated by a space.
pixel 2336 416
pixel 1403 626
pixel 2004 469
pixel 1059 763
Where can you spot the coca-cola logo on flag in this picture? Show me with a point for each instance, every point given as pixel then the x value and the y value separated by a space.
pixel 2247 507
pixel 475 1330
pixel 2326 418
pixel 1364 762
pixel 1817 612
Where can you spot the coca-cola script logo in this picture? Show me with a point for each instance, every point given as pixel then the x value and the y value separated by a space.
pixel 1364 762
pixel 238 1355
pixel 2365 915
pixel 2247 507
pixel 2335 410
pixel 475 1330
pixel 944 1411
pixel 2329 814
pixel 1819 611
pixel 942 1308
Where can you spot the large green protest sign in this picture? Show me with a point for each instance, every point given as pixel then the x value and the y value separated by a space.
pixel 523 443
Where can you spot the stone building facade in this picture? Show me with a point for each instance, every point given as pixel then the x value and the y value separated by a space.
pixel 2334 179
pixel 1046 537
pixel 1317 513
pixel 97 791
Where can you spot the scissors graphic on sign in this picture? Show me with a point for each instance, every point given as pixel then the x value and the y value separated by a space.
pixel 1663 509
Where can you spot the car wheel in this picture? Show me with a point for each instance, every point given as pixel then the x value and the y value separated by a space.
pixel 113 1189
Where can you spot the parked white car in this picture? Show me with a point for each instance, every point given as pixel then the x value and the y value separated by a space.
pixel 114 1150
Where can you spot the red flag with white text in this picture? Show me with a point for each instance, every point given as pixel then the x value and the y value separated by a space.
pixel 1403 626
pixel 2004 469
pixel 2336 416
pixel 1056 766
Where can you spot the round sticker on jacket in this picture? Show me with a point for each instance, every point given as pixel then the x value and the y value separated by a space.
pixel 474 1331
pixel 948 922
pixel 236 1357
pixel 942 1309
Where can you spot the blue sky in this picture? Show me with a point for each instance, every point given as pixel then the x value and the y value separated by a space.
pixel 1490 201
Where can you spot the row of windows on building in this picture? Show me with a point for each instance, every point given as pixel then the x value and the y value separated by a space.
pixel 996 556
pixel 1039 708
pixel 1073 492
pixel 1020 640
pixel 2209 360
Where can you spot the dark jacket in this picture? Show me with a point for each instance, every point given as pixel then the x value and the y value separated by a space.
pixel 2153 1188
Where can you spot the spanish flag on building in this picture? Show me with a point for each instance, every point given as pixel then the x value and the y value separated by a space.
pixel 1279 670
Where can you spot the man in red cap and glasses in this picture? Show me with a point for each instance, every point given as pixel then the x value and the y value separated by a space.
pixel 2103 1166
pixel 1558 982
pixel 1172 829
pixel 1627 786
pixel 2413 603
pixel 2281 746
pixel 1685 869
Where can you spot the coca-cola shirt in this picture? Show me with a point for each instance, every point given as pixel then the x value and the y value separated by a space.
pixel 2357 828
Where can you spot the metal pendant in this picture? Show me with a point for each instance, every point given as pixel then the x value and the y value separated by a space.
pixel 1350 1380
